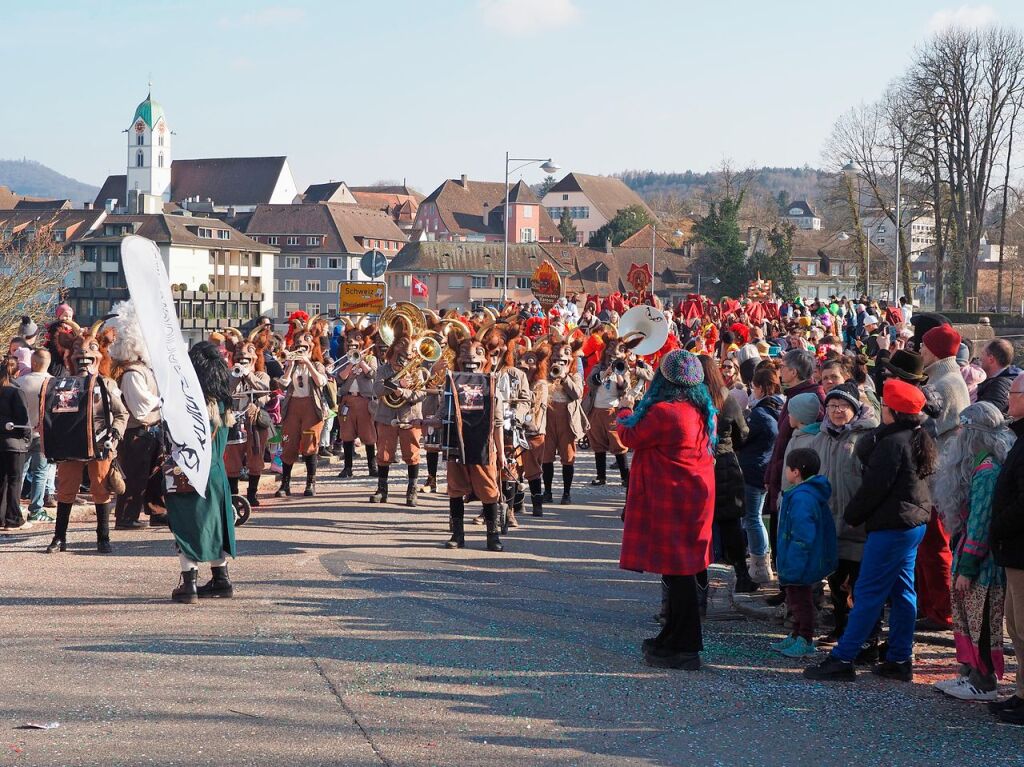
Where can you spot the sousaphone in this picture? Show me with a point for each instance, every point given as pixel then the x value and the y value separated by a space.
pixel 643 330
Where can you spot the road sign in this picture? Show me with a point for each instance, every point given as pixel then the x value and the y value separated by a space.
pixel 373 263
pixel 361 297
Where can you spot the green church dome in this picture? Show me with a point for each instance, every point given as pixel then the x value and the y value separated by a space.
pixel 149 111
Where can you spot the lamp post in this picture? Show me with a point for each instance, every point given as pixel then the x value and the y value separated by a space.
pixel 548 167
pixel 867 238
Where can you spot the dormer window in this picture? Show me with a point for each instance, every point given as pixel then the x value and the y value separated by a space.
pixel 600 273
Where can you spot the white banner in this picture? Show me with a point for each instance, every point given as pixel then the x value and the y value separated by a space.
pixel 183 404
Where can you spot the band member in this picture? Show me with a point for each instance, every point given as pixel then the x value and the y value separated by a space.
pixel 472 408
pixel 250 393
pixel 514 388
pixel 204 526
pixel 141 450
pixel 304 378
pixel 355 390
pixel 566 422
pixel 535 364
pixel 83 422
pixel 398 426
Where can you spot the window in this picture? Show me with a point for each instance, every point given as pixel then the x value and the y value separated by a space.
pixel 353 274
pixel 565 197
pixel 313 263
pixel 312 286
pixel 139 157
pixel 457 281
pixel 205 233
pixel 139 140
pixel 526 235
pixel 406 280
pixel 333 285
pixel 796 268
pixel 112 255
pixel 527 211
pixel 160 139
pixel 257 259
pixel 523 283
pixel 881 229
pixel 479 282
pixel 290 309
pixel 223 234
pixel 293 240
pixel 272 240
pixel 499 282
pixel 90 254
pixel 812 269
pixel 291 285
pixel 312 309
pixel 112 280
pixel 853 270
pixel 291 262
pixel 312 240
pixel 880 241
pixel 160 160
pixel 333 263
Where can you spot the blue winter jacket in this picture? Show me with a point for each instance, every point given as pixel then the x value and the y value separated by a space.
pixel 756 451
pixel 807 546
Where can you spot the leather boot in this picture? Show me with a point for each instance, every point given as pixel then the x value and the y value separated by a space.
pixel 493 539
pixel 60 529
pixel 536 497
pixel 371 459
pixel 381 495
pixel 219 586
pixel 185 593
pixel 410 488
pixel 620 461
pixel 518 496
pixel 602 470
pixel 431 483
pixel 250 491
pixel 508 493
pixel 456 516
pixel 103 527
pixel 310 461
pixel 548 474
pixel 348 450
pixel 285 489
pixel 567 472
pixel 744 583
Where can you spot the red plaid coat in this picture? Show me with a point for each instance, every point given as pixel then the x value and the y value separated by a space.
pixel 671 500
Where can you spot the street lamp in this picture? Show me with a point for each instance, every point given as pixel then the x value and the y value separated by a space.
pixel 654 237
pixel 548 167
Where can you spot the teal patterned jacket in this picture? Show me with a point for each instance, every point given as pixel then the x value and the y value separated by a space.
pixel 972 557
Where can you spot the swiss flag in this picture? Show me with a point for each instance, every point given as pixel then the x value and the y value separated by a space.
pixel 419 288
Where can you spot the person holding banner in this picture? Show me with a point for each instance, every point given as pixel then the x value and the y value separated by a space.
pixel 204 525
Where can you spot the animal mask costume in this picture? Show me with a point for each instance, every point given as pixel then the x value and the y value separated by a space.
pixel 88 355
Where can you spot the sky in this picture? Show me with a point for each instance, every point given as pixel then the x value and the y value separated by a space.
pixel 367 90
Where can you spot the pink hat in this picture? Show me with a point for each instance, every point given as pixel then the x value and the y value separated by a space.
pixel 63 309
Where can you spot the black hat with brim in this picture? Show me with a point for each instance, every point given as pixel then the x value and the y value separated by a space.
pixel 907 366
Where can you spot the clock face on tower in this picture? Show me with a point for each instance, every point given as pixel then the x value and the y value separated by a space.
pixel 162 127
pixel 140 126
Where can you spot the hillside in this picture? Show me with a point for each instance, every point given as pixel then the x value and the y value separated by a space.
pixel 36 180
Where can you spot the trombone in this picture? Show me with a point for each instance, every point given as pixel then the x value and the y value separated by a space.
pixel 351 358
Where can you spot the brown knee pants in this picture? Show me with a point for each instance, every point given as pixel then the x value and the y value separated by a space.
pixel 390 437
pixel 481 480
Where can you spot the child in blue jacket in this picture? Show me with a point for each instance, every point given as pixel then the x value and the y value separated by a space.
pixel 807 550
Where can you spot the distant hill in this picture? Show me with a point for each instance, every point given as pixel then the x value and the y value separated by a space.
pixel 36 180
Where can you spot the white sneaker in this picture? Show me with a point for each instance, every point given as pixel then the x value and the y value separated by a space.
pixel 944 685
pixel 964 690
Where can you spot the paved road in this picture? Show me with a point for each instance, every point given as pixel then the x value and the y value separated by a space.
pixel 357 640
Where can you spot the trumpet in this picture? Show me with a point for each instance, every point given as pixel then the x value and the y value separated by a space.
pixel 237 371
pixel 557 371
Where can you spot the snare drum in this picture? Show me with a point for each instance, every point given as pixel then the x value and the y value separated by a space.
pixel 238 432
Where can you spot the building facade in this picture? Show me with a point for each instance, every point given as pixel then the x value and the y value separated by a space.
pixel 591 202
pixel 462 210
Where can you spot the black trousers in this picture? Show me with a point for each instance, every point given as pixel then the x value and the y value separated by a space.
pixel 681 632
pixel 139 454
pixel 732 541
pixel 11 467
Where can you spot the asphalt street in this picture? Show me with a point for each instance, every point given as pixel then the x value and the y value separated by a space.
pixel 355 638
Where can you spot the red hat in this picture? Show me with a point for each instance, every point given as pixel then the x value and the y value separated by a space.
pixel 942 341
pixel 902 397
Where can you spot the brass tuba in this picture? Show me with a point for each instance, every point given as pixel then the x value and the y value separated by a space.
pixel 401 313
pixel 424 348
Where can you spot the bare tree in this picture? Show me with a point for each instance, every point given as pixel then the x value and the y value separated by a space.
pixel 33 270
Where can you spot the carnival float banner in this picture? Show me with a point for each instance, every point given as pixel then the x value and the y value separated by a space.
pixel 546 285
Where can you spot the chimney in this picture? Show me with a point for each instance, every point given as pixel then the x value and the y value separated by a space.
pixel 486 214
pixel 608 245
pixel 465 181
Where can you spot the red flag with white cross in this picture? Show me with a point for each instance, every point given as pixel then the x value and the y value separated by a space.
pixel 419 288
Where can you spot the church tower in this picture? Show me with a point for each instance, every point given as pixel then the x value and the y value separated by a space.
pixel 149 153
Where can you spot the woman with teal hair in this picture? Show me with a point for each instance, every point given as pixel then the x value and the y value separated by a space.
pixel 671 500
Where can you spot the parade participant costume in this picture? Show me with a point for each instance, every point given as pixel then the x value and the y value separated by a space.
pixel 471 414
pixel 401 377
pixel 303 408
pixel 250 393
pixel 60 337
pixel 204 528
pixel 82 422
pixel 141 449
pixel 535 364
pixel 513 386
pixel 566 422
pixel 608 389
pixel 356 375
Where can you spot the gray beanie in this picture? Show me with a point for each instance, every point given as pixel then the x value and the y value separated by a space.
pixel 28 329
pixel 805 408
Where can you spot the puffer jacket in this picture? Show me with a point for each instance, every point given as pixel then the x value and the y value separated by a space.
pixel 839 462
pixel 756 451
pixel 806 548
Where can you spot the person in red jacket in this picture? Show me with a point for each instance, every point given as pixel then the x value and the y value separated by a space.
pixel 671 500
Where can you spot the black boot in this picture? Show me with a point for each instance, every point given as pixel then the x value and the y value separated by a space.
pixel 431 483
pixel 508 496
pixel 310 490
pixel 371 459
pixel 456 516
pixel 537 497
pixel 620 461
pixel 602 470
pixel 285 490
pixel 490 515
pixel 218 587
pixel 410 488
pixel 186 590
pixel 744 583
pixel 250 492
pixel 60 529
pixel 548 474
pixel 103 527
pixel 518 498
pixel 381 496
pixel 348 450
pixel 233 484
pixel 567 472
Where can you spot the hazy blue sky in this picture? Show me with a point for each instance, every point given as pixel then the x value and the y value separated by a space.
pixel 366 89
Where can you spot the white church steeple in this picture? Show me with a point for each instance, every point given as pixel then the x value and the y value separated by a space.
pixel 149 151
